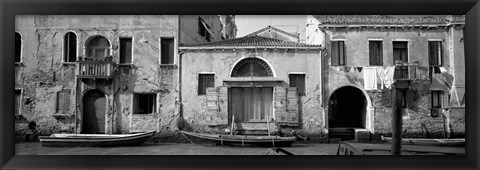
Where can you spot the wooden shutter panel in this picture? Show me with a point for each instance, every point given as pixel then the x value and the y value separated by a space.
pixel 280 98
pixel 292 105
pixel 212 105
pixel 222 116
pixel 334 53
pixel 410 96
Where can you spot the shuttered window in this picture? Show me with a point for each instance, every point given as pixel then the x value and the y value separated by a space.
pixel 167 48
pixel 436 99
pixel 338 53
pixel 435 53
pixel 298 81
pixel 204 81
pixel 70 47
pixel 376 53
pixel 145 103
pixel 400 51
pixel 18 47
pixel 125 50
pixel 18 101
pixel 63 101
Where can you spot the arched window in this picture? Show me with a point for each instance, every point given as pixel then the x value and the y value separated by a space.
pixel 98 48
pixel 70 47
pixel 18 47
pixel 252 67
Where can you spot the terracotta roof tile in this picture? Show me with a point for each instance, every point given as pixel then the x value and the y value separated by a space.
pixel 381 19
pixel 252 41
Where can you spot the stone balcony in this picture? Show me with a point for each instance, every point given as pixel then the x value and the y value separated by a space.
pixel 95 69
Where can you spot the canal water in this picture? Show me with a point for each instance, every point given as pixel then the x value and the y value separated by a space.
pixel 171 149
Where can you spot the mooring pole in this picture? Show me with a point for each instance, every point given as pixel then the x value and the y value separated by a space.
pixel 396 119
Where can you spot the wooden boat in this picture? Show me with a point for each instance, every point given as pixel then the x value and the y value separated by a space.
pixel 353 148
pixel 264 141
pixel 430 142
pixel 93 140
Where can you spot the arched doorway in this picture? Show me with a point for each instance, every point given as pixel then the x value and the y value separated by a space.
pixel 251 103
pixel 347 109
pixel 94 107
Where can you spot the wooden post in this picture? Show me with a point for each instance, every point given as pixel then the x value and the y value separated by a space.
pixel 396 120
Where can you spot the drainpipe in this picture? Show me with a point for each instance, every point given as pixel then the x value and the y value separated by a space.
pixel 180 54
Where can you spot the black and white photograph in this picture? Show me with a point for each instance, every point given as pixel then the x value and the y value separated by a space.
pixel 239 85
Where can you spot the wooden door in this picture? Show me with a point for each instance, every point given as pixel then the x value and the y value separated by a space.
pixel 94 107
pixel 251 103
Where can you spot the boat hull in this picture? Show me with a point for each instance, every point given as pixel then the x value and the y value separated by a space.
pixel 241 140
pixel 94 140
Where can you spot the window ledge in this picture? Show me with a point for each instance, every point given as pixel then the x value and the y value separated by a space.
pixel 172 66
pixel 61 115
pixel 69 63
pixel 125 65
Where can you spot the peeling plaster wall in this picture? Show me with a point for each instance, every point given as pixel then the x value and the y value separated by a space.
pixel 189 29
pixel 282 62
pixel 42 74
pixel 418 123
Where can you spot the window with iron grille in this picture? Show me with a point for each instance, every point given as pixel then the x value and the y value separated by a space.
pixel 18 47
pixel 125 50
pixel 167 48
pixel 145 103
pixel 18 101
pixel 298 81
pixel 70 47
pixel 204 81
pixel 436 98
pixel 376 53
pixel 435 53
pixel 252 67
pixel 338 53
pixel 63 101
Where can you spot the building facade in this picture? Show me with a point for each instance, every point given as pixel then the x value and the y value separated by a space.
pixel 360 58
pixel 264 85
pixel 102 74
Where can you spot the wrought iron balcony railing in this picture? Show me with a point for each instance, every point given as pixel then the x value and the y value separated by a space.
pixel 95 69
pixel 405 71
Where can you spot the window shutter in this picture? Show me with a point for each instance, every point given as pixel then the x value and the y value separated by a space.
pixel 222 117
pixel 341 56
pixel 432 53
pixel 280 98
pixel 60 103
pixel 410 96
pixel 66 104
pixel 212 105
pixel 372 53
pixel 292 105
pixel 334 53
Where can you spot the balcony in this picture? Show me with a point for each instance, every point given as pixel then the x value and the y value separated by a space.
pixel 405 71
pixel 95 69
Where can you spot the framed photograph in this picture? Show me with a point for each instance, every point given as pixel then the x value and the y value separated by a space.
pixel 188 85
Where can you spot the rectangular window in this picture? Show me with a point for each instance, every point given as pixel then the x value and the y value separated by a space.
pixel 18 47
pixel 376 53
pixel 18 101
pixel 400 51
pixel 435 53
pixel 298 81
pixel 204 81
pixel 338 53
pixel 436 99
pixel 70 47
pixel 125 50
pixel 145 103
pixel 63 101
pixel 167 48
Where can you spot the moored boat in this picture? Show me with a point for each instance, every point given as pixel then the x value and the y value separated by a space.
pixel 430 142
pixel 243 140
pixel 94 140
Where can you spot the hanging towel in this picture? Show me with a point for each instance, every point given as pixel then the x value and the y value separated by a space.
pixel 388 80
pixel 443 70
pixel 370 78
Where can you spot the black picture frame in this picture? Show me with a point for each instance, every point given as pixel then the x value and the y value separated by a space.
pixel 9 8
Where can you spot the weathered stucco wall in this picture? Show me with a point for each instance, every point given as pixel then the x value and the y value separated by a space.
pixel 189 29
pixel 418 123
pixel 282 62
pixel 42 74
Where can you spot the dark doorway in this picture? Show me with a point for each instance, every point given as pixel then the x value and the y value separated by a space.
pixel 94 104
pixel 347 108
